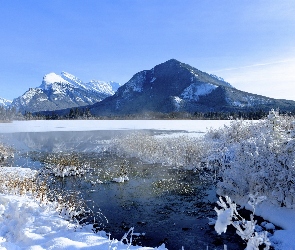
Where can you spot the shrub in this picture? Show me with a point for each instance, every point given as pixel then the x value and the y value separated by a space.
pixel 256 158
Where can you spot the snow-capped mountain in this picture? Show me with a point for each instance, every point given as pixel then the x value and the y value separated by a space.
pixel 175 86
pixel 63 91
pixel 5 102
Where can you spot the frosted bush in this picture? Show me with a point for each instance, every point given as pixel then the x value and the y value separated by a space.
pixel 256 157
pixel 224 215
pixel 228 215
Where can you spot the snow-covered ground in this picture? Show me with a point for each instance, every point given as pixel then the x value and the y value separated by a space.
pixel 280 216
pixel 27 224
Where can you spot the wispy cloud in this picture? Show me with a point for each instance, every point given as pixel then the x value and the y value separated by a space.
pixel 254 65
pixel 275 78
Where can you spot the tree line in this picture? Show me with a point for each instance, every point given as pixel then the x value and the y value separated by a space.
pixel 11 113
pixel 85 114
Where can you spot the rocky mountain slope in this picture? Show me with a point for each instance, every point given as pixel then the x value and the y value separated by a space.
pixel 174 86
pixel 4 102
pixel 63 91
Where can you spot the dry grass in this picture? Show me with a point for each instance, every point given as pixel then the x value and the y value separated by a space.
pixel 13 183
pixel 37 184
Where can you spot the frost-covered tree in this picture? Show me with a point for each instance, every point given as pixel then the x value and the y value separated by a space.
pixel 257 157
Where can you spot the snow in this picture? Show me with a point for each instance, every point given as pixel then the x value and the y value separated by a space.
pixel 78 99
pixel 282 217
pixel 221 79
pixel 195 90
pixel 121 179
pixel 42 99
pixel 60 85
pixel 5 102
pixel 72 79
pixel 28 224
pixel 177 102
pixel 50 79
pixel 252 158
pixel 224 219
pixel 115 85
pixel 279 216
pixel 28 95
pixel 100 86
pixel 92 125
pixel 94 85
pixel 154 78
pixel 18 173
pixel 56 82
pixel 135 84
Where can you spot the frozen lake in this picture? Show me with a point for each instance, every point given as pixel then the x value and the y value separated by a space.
pixel 94 125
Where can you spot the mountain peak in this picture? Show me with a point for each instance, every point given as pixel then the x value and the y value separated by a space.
pixel 170 63
pixel 173 61
pixel 51 79
pixel 175 86
pixel 62 91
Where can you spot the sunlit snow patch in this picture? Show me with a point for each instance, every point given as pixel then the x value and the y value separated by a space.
pixel 195 90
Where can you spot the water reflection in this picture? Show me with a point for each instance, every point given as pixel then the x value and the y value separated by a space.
pixel 82 141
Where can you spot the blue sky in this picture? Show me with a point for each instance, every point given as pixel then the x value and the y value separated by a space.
pixel 248 43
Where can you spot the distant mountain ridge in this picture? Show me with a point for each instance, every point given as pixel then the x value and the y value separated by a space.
pixel 173 86
pixel 169 87
pixel 63 91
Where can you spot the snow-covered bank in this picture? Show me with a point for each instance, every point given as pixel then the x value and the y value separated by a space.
pixel 282 217
pixel 90 125
pixel 26 224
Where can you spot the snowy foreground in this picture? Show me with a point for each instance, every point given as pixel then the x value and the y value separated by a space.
pixel 25 223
